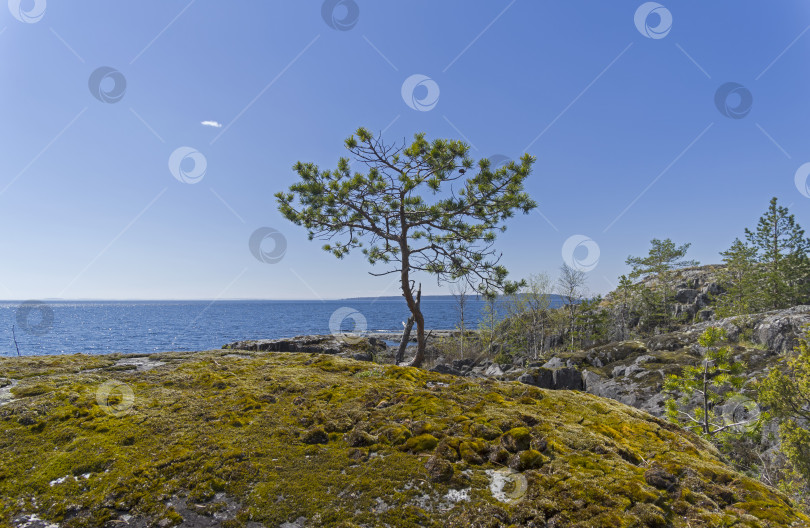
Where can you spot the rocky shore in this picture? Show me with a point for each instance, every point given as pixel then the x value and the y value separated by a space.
pixel 363 347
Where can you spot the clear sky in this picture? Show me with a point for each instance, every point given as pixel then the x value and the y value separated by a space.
pixel 617 100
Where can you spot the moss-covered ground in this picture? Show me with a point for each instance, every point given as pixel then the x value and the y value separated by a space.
pixel 260 439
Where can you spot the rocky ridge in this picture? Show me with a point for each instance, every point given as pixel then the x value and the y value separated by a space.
pixel 633 372
pixel 695 289
pixel 240 438
pixel 349 346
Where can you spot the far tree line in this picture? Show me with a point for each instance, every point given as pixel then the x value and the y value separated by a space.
pixel 769 270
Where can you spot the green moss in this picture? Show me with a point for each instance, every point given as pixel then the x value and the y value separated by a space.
pixel 484 431
pixel 448 449
pixel 172 517
pixel 418 444
pixel 28 390
pixel 529 459
pixel 315 436
pixel 395 434
pixel 360 439
pixel 472 451
pixel 517 439
pixel 204 425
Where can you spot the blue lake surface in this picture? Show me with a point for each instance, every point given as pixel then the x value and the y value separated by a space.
pixel 101 327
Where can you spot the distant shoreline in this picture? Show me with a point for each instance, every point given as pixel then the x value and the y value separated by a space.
pixel 389 298
pixel 397 336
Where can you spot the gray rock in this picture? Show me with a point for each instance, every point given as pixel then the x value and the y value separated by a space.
pixel 702 300
pixel 625 391
pixel 446 369
pixel 597 385
pixel 140 363
pixel 687 296
pixel 343 345
pixel 545 378
pixel 554 363
pixel 631 369
pixel 606 354
pixel 493 370
pixel 713 288
pixel 5 392
pixel 527 378
pixel 540 377
pixel 568 379
pixel 635 382
pixel 780 331
pixel 463 364
pixel 298 523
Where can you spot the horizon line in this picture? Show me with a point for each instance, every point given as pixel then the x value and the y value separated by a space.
pixel 92 299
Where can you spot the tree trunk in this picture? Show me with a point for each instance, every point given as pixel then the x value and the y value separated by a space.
pixel 405 283
pixel 572 326
pixel 543 335
pixel 462 301
pixel 461 340
pixel 406 333
pixel 705 397
pixel 420 339
pixel 403 344
pixel 416 312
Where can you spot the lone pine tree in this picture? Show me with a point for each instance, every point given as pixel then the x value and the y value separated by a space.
pixel 419 207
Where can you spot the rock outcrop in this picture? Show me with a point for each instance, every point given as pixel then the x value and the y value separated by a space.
pixel 242 438
pixel 344 345
pixel 633 372
pixel 694 291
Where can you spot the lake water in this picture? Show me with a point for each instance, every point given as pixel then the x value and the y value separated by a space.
pixel 68 327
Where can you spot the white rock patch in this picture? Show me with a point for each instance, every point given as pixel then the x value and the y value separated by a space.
pixel 498 481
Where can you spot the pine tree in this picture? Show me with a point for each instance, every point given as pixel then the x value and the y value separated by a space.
pixel 786 394
pixel 782 249
pixel 418 207
pixel 625 292
pixel 739 279
pixel 592 322
pixel 663 258
pixel 718 376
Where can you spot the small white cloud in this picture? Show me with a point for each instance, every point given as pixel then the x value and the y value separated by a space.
pixel 211 124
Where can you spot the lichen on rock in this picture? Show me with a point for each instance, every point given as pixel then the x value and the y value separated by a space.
pixel 268 439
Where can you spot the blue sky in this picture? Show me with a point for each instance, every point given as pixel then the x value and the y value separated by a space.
pixel 630 144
